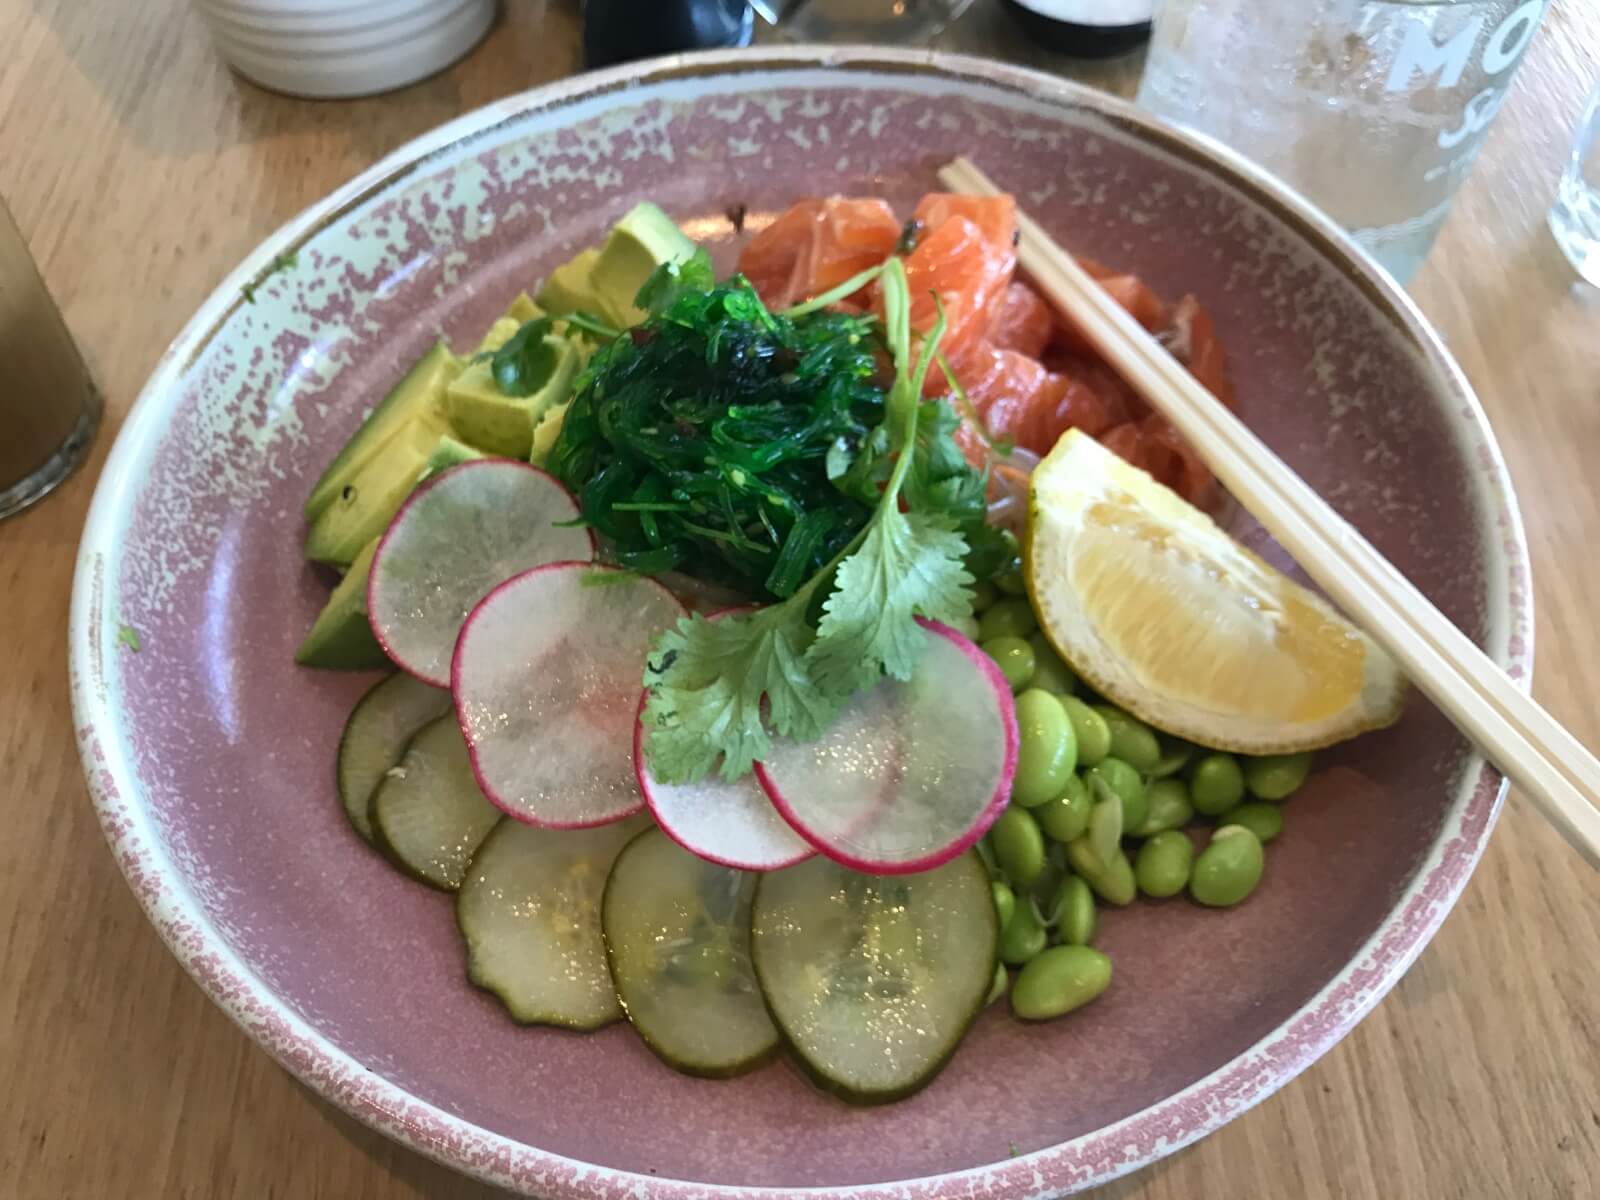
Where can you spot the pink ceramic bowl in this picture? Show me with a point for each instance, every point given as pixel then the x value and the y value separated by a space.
pixel 210 754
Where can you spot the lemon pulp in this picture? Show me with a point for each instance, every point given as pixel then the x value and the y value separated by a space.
pixel 1163 613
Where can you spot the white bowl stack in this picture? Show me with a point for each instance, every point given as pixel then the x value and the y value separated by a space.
pixel 327 48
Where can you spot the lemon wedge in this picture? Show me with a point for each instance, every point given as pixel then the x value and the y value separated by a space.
pixel 1164 614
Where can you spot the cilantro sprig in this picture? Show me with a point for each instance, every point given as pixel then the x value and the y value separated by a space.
pixel 720 690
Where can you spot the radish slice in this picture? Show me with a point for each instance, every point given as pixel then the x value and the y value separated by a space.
pixel 731 824
pixel 910 774
pixel 459 535
pixel 546 682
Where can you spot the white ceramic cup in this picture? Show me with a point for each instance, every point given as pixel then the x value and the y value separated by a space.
pixel 329 48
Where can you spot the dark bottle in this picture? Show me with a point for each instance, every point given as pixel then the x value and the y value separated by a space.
pixel 616 31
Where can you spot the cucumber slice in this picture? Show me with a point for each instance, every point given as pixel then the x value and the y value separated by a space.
pixel 428 813
pixel 529 910
pixel 375 738
pixel 874 980
pixel 677 932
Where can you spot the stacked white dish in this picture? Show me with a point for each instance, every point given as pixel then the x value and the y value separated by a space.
pixel 328 48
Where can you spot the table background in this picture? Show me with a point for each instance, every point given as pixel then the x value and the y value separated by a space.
pixel 141 170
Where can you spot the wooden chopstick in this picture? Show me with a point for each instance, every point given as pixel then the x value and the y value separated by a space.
pixel 1540 757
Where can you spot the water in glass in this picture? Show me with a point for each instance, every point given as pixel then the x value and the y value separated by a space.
pixel 1575 217
pixel 1374 109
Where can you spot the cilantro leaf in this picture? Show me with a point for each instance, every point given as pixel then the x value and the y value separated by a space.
pixel 524 364
pixel 708 681
pixel 909 565
pixel 720 690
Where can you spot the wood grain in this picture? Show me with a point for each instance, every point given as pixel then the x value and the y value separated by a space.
pixel 141 170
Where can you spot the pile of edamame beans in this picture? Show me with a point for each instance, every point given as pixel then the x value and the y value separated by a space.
pixel 1093 786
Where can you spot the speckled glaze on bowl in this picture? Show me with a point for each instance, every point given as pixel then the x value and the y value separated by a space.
pixel 209 754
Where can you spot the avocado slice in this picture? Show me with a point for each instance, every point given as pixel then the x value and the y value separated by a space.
pixel 639 243
pixel 523 309
pixel 546 431
pixel 501 332
pixel 447 453
pixel 567 289
pixel 341 639
pixel 485 416
pixel 419 394
pixel 371 499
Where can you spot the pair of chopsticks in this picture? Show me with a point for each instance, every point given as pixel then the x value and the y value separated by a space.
pixel 1541 758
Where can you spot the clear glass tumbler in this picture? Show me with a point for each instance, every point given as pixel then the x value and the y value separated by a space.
pixel 1374 109
pixel 49 409
pixel 1575 217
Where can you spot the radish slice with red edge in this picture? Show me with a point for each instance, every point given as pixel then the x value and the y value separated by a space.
pixel 457 536
pixel 546 684
pixel 731 824
pixel 911 773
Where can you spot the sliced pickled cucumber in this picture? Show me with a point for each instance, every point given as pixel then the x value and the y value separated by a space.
pixel 677 931
pixel 375 737
pixel 428 813
pixel 529 910
pixel 874 979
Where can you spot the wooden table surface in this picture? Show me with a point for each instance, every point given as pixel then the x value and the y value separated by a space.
pixel 141 170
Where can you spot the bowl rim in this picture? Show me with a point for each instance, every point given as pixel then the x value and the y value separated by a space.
pixel 1092 1158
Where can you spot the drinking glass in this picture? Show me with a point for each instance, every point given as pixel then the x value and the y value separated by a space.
pixel 1575 217
pixel 1374 109
pixel 49 408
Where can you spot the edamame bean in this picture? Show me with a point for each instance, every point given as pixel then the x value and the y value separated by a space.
pixel 1014 657
pixel 1066 817
pixel 1228 869
pixel 1001 982
pixel 1075 904
pixel 1010 616
pixel 1216 784
pixel 1010 581
pixel 1105 827
pixel 1018 847
pixel 1276 776
pixel 1175 756
pixel 1166 807
pixel 984 594
pixel 1112 881
pixel 1005 902
pixel 1049 672
pixel 1126 784
pixel 1023 937
pixel 1132 740
pixel 1047 750
pixel 1164 862
pixel 967 627
pixel 1263 820
pixel 1059 980
pixel 1094 736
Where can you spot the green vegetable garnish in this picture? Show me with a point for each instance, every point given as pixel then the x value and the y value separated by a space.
pixel 524 364
pixel 699 441
pixel 719 690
